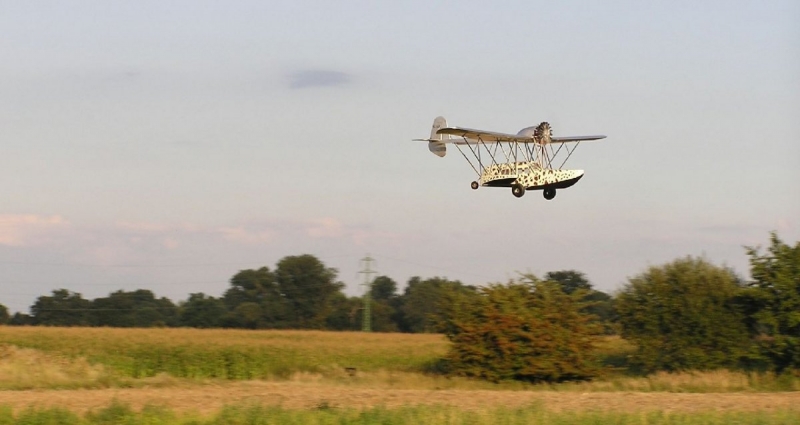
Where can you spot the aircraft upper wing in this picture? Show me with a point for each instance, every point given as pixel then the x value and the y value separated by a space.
pixel 474 136
pixel 484 136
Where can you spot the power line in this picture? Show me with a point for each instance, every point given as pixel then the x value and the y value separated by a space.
pixel 414 263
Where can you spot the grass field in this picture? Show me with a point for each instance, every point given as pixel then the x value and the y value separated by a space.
pixel 230 354
pixel 259 415
pixel 78 375
pixel 38 357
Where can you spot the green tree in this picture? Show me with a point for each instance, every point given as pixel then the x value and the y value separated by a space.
pixel 202 311
pixel 384 288
pixel 569 280
pixel 598 303
pixel 772 303
pixel 4 316
pixel 251 285
pixel 529 330
pixel 308 287
pixel 258 290
pixel 683 315
pixel 128 309
pixel 21 319
pixel 383 317
pixel 384 304
pixel 63 308
pixel 345 313
pixel 246 315
pixel 419 307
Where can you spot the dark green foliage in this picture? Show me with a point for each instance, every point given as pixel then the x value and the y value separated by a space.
pixel 683 316
pixel 252 286
pixel 247 315
pixel 139 309
pixel 772 303
pixel 383 314
pixel 308 287
pixel 301 293
pixel 384 288
pixel 419 306
pixel 384 304
pixel 598 303
pixel 63 308
pixel 21 319
pixel 529 330
pixel 601 306
pixel 254 301
pixel 4 316
pixel 345 313
pixel 202 311
pixel 570 280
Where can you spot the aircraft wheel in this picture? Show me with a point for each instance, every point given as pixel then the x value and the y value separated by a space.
pixel 518 190
pixel 549 194
pixel 474 185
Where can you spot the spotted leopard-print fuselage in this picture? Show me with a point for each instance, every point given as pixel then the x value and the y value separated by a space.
pixel 528 174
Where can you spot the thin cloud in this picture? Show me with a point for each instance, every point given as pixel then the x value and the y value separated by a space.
pixel 317 78
pixel 325 228
pixel 29 229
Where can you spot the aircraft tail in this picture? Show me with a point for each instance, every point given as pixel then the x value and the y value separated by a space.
pixel 436 143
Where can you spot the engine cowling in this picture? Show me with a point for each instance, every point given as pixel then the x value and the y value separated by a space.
pixel 543 133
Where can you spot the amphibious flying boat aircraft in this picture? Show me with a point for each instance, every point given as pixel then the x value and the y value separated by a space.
pixel 522 161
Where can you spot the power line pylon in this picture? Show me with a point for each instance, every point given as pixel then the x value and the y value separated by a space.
pixel 366 322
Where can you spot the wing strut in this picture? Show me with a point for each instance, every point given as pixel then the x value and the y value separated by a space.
pixel 469 161
pixel 568 155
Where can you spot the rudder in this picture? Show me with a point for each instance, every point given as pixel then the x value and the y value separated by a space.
pixel 436 143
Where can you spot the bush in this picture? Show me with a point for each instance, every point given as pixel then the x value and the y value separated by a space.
pixel 772 303
pixel 683 315
pixel 529 330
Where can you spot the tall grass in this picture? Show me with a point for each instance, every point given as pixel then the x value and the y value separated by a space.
pixel 26 368
pixel 41 357
pixel 230 354
pixel 260 415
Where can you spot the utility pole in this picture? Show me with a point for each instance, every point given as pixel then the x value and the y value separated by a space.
pixel 366 263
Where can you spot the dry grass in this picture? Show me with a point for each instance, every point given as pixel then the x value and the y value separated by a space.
pixel 208 399
pixel 25 368
pixel 717 381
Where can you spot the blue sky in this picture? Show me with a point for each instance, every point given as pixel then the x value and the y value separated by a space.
pixel 167 145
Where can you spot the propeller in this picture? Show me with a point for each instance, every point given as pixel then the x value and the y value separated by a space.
pixel 543 132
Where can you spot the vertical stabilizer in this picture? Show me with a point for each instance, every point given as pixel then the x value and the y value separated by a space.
pixel 436 143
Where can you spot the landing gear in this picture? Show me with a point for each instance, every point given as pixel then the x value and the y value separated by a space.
pixel 549 193
pixel 518 190
pixel 474 185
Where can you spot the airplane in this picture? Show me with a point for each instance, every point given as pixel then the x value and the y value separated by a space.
pixel 522 161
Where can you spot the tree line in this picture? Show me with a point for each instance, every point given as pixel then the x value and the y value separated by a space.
pixel 688 314
pixel 301 292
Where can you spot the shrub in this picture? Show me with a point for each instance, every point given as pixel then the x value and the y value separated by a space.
pixel 529 330
pixel 683 315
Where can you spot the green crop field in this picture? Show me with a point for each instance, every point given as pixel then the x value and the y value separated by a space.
pixel 230 354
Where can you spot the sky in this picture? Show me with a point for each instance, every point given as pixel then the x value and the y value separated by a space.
pixel 167 145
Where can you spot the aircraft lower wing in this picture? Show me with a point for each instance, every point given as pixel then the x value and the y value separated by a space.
pixel 575 139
